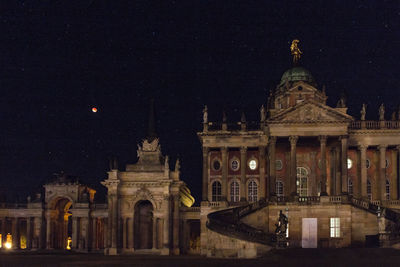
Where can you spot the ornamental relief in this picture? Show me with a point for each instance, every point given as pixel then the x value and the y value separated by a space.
pixel 310 113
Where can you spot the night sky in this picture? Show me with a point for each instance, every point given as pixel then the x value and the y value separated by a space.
pixel 58 59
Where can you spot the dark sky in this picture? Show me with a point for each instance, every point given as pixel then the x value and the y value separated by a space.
pixel 60 58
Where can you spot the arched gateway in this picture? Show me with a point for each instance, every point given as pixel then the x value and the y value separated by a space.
pixel 143 228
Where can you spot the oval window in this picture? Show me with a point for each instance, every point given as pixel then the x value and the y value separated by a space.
pixel 253 164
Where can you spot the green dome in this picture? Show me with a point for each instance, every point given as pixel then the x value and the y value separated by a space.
pixel 297 74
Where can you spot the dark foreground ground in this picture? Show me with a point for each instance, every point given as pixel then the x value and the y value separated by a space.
pixel 288 257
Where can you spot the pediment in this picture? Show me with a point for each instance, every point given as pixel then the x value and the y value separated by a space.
pixel 310 111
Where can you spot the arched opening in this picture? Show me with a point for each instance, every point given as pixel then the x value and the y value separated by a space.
pixel 143 225
pixel 301 183
pixel 61 224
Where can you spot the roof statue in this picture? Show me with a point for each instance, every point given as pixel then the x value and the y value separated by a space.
pixel 382 112
pixel 363 111
pixel 205 114
pixel 262 113
pixel 295 51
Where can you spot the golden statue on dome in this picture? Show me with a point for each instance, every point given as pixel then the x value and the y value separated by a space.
pixel 295 50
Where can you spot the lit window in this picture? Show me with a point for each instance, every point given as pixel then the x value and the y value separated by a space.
pixel 335 227
pixel 253 191
pixel 279 188
pixel 349 163
pixel 216 165
pixel 301 182
pixel 234 191
pixel 253 164
pixel 369 190
pixel 216 191
pixel 387 190
pixel 278 165
pixel 235 164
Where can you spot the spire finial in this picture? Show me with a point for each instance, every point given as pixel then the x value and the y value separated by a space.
pixel 295 51
pixel 151 132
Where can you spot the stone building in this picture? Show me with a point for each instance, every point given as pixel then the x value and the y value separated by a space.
pixel 334 178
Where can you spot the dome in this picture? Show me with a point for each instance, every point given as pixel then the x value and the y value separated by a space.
pixel 297 74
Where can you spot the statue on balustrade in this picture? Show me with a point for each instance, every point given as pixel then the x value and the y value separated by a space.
pixel 382 112
pixel 363 111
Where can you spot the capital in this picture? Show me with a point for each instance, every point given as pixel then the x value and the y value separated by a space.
pixel 293 139
pixel 243 149
pixel 206 150
pixel 362 147
pixel 398 147
pixel 272 140
pixel 322 139
pixel 224 149
pixel 343 137
pixel 382 147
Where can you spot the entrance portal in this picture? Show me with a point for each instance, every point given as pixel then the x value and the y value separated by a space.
pixel 309 233
pixel 62 225
pixel 143 233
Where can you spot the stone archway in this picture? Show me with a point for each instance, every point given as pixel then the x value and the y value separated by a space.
pixel 143 225
pixel 61 223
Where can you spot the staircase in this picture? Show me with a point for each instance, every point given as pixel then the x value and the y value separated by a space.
pixel 228 222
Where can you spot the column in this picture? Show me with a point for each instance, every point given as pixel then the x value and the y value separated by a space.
pixel 382 172
pixel 322 140
pixel 175 225
pixel 130 233
pixel 14 231
pixel 124 233
pixel 224 153
pixel 155 233
pixel 338 173
pixel 272 171
pixel 166 226
pixel 37 240
pixel 363 170
pixel 205 173
pixel 106 233
pixel 85 232
pixel 74 232
pixel 261 150
pixel 28 233
pixel 396 185
pixel 293 167
pixel 94 233
pixel 243 161
pixel 114 222
pixel 313 191
pixel 343 140
pixel 48 230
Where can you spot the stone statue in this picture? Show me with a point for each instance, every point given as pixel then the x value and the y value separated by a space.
pixel 150 146
pixel 398 113
pixel 243 118
pixel 295 51
pixel 205 114
pixel 281 228
pixel 177 165
pixel 342 102
pixel 166 163
pixel 223 116
pixel 382 112
pixel 363 111
pixel 262 113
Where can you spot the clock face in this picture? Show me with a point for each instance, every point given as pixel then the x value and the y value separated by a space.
pixel 252 164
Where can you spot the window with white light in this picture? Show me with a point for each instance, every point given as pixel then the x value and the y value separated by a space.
pixel 349 163
pixel 279 188
pixel 335 227
pixel 253 164
pixel 301 181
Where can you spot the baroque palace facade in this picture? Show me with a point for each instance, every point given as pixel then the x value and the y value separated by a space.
pixel 334 178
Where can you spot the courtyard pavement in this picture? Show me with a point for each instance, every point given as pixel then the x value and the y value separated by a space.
pixel 287 257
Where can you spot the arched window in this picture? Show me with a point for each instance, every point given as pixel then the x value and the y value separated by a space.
pixel 216 191
pixel 387 190
pixel 253 191
pixel 279 188
pixel 350 186
pixel 301 182
pixel 369 190
pixel 235 191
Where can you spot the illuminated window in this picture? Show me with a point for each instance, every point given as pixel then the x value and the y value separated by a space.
pixel 278 165
pixel 349 163
pixel 253 191
pixel 369 190
pixel 350 186
pixel 387 190
pixel 335 227
pixel 301 182
pixel 253 164
pixel 235 191
pixel 216 191
pixel 279 188
pixel 216 164
pixel 235 165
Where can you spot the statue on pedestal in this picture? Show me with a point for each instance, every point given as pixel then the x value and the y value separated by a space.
pixel 280 231
pixel 205 114
pixel 382 112
pixel 363 111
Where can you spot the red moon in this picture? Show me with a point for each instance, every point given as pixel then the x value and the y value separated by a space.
pixel 94 110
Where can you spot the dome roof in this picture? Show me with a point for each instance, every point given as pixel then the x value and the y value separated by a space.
pixel 296 74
